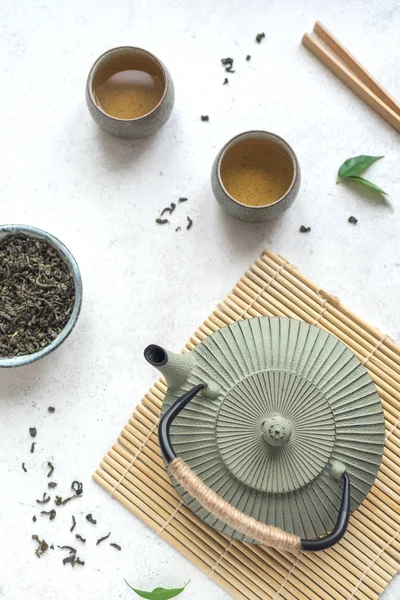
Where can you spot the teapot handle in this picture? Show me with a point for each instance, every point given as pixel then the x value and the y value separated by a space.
pixel 266 535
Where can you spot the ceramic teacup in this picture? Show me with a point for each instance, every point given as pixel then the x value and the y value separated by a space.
pixel 256 176
pixel 129 92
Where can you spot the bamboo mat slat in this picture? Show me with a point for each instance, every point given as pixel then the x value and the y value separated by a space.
pixel 365 561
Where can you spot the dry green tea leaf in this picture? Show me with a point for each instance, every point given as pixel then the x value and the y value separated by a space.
pixel 37 296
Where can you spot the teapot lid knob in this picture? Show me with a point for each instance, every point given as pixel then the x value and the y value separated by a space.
pixel 276 430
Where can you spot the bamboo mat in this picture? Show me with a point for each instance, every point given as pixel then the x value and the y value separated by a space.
pixel 363 563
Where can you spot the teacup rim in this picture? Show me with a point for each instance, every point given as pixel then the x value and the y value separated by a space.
pixel 89 83
pixel 270 134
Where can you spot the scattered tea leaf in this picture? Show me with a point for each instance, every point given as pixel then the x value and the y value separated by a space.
pixel 228 64
pixel 158 593
pixel 178 228
pixel 33 447
pixel 51 514
pixel 33 431
pixel 24 467
pixel 304 229
pixel 42 546
pixel 352 220
pixel 190 223
pixel 170 209
pixel 226 80
pixel 72 558
pixel 180 200
pixel 58 500
pixel 66 500
pixel 367 184
pixel 79 537
pixel 34 518
pixel 52 547
pixel 51 469
pixel 259 37
pixel 248 57
pixel 162 221
pixel 69 548
pixel 102 539
pixel 78 562
pixel 45 500
pixel 52 485
pixel 89 518
pixel 355 166
pixel 51 409
pixel 73 524
pixel 77 487
pixel 205 118
pixel 117 546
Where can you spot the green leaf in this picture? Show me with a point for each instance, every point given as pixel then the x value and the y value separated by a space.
pixel 158 593
pixel 355 166
pixel 368 184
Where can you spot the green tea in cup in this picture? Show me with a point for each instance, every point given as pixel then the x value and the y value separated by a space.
pixel 129 92
pixel 256 176
pixel 256 172
pixel 129 87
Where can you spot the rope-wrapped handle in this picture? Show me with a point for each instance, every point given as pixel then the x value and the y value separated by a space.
pixel 266 535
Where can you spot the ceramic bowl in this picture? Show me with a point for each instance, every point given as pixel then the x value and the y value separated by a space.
pixel 6 230
pixel 141 126
pixel 255 214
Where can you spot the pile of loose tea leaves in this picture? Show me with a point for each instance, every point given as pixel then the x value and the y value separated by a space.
pixel 37 295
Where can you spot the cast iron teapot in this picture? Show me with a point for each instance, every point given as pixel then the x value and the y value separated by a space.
pixel 272 420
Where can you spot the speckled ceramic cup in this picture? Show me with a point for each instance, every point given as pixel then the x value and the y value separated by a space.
pixel 246 212
pixel 146 124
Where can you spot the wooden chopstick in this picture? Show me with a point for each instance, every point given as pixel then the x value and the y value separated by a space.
pixel 358 69
pixel 348 76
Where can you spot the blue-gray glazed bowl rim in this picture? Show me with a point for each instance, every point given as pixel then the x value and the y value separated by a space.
pixel 287 146
pixel 26 359
pixel 95 65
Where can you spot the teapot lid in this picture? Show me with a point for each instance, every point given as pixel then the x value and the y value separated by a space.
pixel 293 403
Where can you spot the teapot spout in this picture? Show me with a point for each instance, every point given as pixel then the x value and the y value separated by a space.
pixel 175 367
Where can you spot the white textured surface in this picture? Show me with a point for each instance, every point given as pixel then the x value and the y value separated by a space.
pixel 145 283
